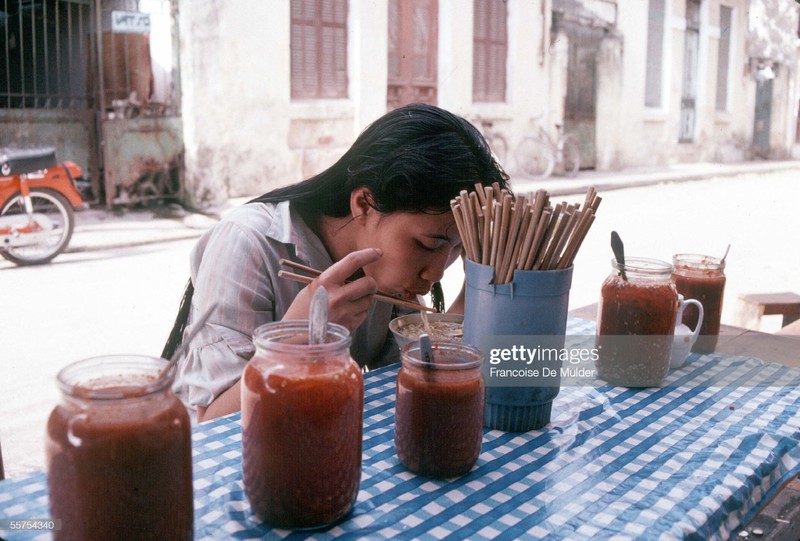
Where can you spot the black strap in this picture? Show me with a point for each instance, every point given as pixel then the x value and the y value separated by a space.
pixel 176 334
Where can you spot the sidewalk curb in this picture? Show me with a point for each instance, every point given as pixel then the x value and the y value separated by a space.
pixel 608 181
pixel 98 247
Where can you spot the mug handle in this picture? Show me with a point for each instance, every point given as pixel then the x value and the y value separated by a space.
pixel 700 315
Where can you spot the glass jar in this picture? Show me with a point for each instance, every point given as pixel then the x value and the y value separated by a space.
pixel 118 446
pixel 636 323
pixel 439 409
pixel 302 409
pixel 701 277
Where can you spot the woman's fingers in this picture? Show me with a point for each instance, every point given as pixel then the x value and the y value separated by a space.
pixel 348 301
pixel 339 272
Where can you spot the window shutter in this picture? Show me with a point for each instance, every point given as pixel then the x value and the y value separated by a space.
pixel 490 50
pixel 319 48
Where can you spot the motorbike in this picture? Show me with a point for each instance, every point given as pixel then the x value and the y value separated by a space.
pixel 38 198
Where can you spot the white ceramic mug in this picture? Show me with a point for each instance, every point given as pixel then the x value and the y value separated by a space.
pixel 684 336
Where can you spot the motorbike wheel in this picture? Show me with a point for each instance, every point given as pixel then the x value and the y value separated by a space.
pixel 56 207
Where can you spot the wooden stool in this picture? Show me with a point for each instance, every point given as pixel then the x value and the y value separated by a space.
pixel 755 305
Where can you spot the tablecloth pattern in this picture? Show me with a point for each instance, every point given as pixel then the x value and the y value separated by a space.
pixel 690 460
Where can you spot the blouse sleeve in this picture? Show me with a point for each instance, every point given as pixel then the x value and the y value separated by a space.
pixel 231 266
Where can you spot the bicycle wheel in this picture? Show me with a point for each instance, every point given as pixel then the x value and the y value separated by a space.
pixel 570 155
pixel 535 158
pixel 499 147
pixel 53 206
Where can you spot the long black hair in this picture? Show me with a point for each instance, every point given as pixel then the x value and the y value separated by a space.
pixel 413 159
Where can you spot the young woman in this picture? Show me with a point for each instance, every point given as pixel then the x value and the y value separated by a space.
pixel 379 218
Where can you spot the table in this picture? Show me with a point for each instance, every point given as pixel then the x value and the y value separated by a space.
pixel 783 348
pixel 693 459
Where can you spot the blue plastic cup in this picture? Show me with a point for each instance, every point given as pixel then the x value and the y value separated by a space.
pixel 534 303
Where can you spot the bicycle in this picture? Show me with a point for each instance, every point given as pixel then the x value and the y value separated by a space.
pixel 497 142
pixel 538 155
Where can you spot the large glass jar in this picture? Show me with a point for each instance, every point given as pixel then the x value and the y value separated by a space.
pixel 636 323
pixel 302 409
pixel 439 409
pixel 119 462
pixel 701 277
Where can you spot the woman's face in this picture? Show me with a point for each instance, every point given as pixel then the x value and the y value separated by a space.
pixel 417 248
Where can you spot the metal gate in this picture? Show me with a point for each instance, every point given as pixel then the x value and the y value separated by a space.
pixel 97 79
pixel 137 81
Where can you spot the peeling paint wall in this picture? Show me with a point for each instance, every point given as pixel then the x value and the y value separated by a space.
pixel 243 134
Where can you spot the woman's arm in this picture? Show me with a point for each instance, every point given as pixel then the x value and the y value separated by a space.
pixel 349 304
pixel 228 402
pixel 457 306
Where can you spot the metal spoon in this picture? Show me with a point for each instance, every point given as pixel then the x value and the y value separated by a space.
pixel 619 252
pixel 318 317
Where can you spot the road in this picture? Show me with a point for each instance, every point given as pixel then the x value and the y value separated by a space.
pixel 124 301
pixel 81 305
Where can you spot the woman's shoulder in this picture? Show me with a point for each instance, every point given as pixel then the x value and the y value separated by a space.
pixel 252 215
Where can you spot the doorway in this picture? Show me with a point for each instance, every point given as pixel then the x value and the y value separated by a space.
pixel 413 45
pixel 580 106
pixel 690 72
pixel 763 117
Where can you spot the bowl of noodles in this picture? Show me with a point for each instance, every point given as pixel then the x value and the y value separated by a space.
pixel 408 328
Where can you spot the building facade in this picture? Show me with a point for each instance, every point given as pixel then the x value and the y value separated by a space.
pixel 208 99
pixel 275 91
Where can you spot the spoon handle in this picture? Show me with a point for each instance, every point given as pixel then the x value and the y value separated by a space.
pixel 425 349
pixel 318 317
pixel 619 252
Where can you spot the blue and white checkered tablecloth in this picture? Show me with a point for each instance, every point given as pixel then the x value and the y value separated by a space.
pixel 690 460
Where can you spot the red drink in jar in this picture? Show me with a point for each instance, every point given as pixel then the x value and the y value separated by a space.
pixel 119 462
pixel 439 410
pixel 636 323
pixel 302 409
pixel 701 277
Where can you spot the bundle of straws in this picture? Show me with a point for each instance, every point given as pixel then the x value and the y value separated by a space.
pixel 521 233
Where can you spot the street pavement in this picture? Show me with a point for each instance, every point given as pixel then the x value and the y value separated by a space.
pixel 102 229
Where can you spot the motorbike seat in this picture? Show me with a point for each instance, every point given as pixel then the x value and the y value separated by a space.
pixel 18 161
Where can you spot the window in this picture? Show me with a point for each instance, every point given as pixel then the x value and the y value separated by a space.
pixel 319 48
pixel 723 57
pixel 655 46
pixel 490 48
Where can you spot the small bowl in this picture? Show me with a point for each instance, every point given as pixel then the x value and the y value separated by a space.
pixel 403 333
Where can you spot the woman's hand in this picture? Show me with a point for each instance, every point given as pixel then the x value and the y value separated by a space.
pixel 348 302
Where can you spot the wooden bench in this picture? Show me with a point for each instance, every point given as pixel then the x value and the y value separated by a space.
pixel 792 329
pixel 754 306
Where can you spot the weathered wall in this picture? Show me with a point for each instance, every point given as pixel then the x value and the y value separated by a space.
pixel 648 136
pixel 244 135
pixel 67 130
